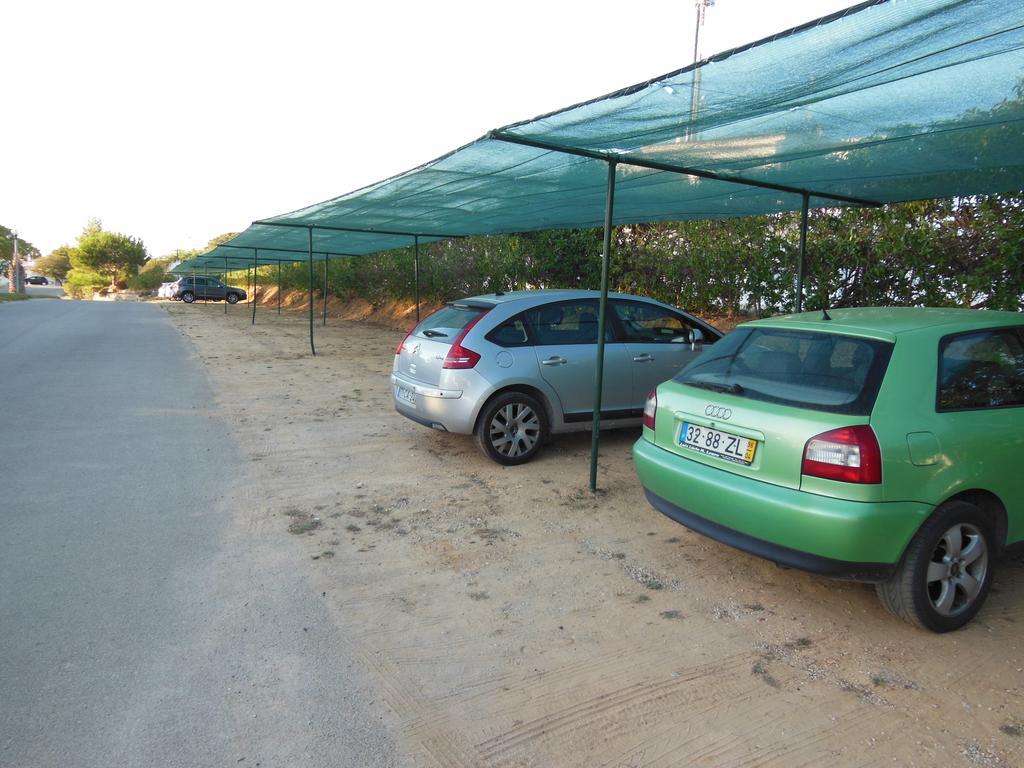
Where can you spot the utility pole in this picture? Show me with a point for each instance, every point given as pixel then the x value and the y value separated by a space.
pixel 14 281
pixel 702 7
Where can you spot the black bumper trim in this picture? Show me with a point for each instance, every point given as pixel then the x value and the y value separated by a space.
pixel 778 554
pixel 436 425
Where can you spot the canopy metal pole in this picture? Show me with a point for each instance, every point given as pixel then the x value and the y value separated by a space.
pixel 312 347
pixel 225 278
pixel 802 255
pixel 325 291
pixel 599 373
pixel 279 287
pixel 255 285
pixel 416 273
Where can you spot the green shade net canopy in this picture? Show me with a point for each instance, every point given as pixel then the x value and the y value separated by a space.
pixel 887 101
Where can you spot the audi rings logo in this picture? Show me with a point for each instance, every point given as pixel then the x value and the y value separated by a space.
pixel 718 412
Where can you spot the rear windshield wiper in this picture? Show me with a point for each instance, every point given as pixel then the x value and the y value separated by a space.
pixel 433 334
pixel 732 389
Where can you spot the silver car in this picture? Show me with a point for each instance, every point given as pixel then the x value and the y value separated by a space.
pixel 514 368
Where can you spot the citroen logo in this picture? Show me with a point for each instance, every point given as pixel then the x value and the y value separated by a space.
pixel 718 412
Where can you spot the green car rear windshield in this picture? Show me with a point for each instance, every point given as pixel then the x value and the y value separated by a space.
pixel 821 371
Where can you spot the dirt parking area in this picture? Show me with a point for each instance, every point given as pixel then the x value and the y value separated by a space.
pixel 510 618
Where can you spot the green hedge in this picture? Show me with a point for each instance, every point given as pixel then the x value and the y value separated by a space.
pixel 966 252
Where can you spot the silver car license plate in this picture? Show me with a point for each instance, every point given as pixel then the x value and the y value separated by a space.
pixel 405 395
pixel 714 442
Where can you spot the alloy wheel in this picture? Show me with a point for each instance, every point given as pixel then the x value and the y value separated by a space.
pixel 957 569
pixel 514 430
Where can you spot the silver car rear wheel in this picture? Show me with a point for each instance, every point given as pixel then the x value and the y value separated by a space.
pixel 512 428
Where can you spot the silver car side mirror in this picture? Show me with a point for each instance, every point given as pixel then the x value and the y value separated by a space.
pixel 696 340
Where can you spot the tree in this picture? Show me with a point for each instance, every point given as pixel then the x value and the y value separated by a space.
pixel 25 251
pixel 152 274
pixel 111 254
pixel 56 264
pixel 219 240
pixel 82 283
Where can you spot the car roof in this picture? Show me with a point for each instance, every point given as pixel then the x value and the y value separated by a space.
pixel 548 294
pixel 889 322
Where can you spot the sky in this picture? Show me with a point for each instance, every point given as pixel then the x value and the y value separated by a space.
pixel 176 122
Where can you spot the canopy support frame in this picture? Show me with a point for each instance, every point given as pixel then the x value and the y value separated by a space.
pixel 416 274
pixel 255 285
pixel 325 254
pixel 325 294
pixel 438 236
pixel 312 346
pixel 595 438
pixel 802 255
pixel 681 169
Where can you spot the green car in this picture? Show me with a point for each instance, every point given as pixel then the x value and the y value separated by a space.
pixel 876 444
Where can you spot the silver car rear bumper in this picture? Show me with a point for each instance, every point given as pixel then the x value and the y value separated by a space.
pixel 449 410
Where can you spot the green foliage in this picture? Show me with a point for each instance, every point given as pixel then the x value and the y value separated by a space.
pixel 962 252
pixel 82 283
pixel 218 240
pixel 107 253
pixel 967 252
pixel 25 249
pixel 152 274
pixel 56 264
pixel 569 258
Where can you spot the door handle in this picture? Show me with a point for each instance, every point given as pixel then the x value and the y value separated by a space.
pixel 644 358
pixel 554 360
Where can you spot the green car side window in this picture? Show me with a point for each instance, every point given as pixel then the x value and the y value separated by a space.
pixel 981 369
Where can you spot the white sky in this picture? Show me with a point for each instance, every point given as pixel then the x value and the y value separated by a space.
pixel 175 122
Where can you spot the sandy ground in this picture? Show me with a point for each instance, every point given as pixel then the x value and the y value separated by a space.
pixel 509 618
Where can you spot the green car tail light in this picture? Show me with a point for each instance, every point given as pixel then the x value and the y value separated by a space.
pixel 651 409
pixel 847 454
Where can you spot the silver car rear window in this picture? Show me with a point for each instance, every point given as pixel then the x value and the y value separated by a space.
pixel 451 319
pixel 821 371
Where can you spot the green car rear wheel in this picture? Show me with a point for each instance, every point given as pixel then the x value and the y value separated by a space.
pixel 946 573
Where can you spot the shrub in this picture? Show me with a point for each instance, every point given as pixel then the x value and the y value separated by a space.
pixel 82 283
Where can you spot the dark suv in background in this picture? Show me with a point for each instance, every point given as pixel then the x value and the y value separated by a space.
pixel 188 289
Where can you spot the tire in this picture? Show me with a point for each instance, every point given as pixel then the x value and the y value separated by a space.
pixel 933 588
pixel 232 298
pixel 188 297
pixel 512 428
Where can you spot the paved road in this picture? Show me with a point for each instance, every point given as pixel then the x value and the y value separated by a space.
pixel 44 290
pixel 140 623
